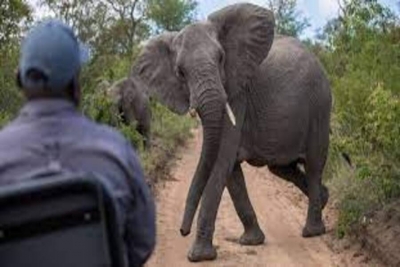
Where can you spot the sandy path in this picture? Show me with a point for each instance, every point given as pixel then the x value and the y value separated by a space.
pixel 281 212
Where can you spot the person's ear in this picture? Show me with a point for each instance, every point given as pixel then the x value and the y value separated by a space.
pixel 76 90
pixel 18 78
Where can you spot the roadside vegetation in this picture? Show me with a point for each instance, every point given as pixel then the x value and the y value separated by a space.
pixel 360 50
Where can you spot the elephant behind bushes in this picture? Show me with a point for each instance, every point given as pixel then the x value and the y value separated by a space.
pixel 133 104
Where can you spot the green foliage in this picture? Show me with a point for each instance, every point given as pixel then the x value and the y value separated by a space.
pixel 107 26
pixel 4 119
pixel 12 14
pixel 380 127
pixel 10 99
pixel 168 126
pixel 169 131
pixel 100 108
pixel 288 20
pixel 117 27
pixel 171 15
pixel 360 51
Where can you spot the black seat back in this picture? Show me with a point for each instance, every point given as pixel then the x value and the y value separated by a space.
pixel 65 221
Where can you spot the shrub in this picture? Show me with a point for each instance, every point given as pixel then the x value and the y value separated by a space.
pixel 169 132
pixel 373 146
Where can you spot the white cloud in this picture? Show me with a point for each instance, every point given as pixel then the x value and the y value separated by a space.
pixel 328 8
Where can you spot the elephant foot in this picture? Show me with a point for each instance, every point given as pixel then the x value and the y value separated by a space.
pixel 324 196
pixel 314 230
pixel 202 251
pixel 252 237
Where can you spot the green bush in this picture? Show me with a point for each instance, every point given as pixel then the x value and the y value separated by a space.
pixel 4 119
pixel 361 60
pixel 373 147
pixel 382 127
pixel 10 98
pixel 169 132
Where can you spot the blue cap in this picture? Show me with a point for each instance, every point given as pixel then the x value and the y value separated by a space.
pixel 51 48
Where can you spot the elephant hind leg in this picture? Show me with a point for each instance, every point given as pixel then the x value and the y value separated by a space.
pixel 314 224
pixel 317 150
pixel 292 173
pixel 236 185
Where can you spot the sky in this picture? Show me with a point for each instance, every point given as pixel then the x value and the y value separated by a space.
pixel 317 11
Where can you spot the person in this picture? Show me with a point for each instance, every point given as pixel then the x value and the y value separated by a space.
pixel 50 131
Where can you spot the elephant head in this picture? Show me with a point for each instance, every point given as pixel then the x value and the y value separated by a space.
pixel 132 104
pixel 206 67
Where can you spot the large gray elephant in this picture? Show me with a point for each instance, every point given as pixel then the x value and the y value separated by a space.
pixel 130 98
pixel 261 98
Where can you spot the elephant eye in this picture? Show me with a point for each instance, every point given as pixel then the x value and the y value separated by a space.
pixel 180 73
pixel 221 58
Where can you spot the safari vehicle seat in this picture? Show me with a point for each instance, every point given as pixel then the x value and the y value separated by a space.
pixel 67 221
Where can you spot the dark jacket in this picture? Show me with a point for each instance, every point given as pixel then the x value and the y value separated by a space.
pixel 53 132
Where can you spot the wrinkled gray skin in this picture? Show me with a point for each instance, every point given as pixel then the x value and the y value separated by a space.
pixel 279 96
pixel 130 97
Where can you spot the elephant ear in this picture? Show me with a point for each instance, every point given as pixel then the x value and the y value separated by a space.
pixel 155 67
pixel 246 33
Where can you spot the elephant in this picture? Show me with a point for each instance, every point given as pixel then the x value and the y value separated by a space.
pixel 132 102
pixel 262 98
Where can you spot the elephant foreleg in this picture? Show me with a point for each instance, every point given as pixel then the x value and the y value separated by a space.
pixel 237 190
pixel 203 248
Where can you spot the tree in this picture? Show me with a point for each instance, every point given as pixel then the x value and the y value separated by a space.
pixel 288 21
pixel 13 15
pixel 171 15
pixel 117 27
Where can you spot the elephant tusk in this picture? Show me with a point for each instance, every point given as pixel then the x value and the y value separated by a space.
pixel 192 112
pixel 230 114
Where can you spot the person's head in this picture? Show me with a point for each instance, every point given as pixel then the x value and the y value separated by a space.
pixel 50 62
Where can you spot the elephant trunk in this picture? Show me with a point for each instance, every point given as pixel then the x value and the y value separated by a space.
pixel 211 105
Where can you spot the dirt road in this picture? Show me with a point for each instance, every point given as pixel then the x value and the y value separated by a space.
pixel 281 212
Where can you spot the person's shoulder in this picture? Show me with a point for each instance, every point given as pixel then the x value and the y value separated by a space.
pixel 114 141
pixel 10 130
